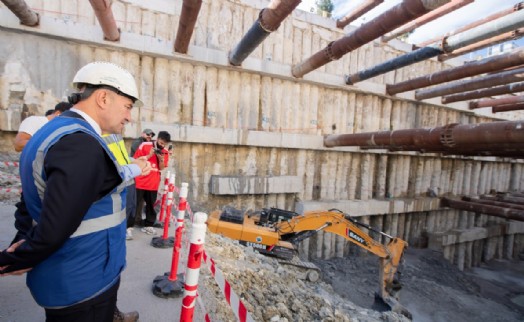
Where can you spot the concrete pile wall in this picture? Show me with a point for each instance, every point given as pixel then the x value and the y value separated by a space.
pixel 252 137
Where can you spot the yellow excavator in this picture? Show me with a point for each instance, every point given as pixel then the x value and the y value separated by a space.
pixel 276 232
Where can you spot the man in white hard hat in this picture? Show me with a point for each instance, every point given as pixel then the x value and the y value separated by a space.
pixel 71 218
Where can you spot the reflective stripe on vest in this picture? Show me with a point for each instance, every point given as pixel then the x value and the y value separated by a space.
pixel 116 144
pixel 90 225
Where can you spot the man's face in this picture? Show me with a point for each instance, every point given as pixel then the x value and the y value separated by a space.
pixel 161 143
pixel 148 137
pixel 118 113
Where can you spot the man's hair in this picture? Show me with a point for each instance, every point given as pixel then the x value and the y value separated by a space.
pixel 62 107
pixel 49 112
pixel 164 136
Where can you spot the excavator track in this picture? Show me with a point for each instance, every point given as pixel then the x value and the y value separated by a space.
pixel 311 271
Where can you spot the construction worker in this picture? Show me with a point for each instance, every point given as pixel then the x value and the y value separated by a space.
pixel 116 144
pixel 71 218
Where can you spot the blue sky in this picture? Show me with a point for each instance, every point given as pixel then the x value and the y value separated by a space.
pixel 472 12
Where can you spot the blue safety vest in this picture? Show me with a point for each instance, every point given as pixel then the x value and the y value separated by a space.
pixel 92 259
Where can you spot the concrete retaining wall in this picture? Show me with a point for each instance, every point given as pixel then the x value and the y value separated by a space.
pixel 256 120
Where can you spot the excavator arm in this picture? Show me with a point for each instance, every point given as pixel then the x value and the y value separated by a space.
pixel 338 223
pixel 276 232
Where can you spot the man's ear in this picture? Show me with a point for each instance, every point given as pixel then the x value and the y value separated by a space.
pixel 102 98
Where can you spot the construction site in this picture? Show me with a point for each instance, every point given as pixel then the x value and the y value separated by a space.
pixel 346 174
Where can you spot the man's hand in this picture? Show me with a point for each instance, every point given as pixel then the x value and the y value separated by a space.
pixel 10 250
pixel 144 165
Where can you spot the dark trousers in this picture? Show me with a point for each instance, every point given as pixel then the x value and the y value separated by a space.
pixel 148 197
pixel 131 205
pixel 98 309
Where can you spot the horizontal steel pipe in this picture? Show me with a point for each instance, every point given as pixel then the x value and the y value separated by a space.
pixel 359 11
pixel 496 211
pixel 486 65
pixel 497 90
pixel 511 35
pixel 448 44
pixel 502 198
pixel 406 11
pixel 496 27
pixel 20 8
pixel 474 24
pixel 393 64
pixel 494 203
pixel 505 77
pixel 428 17
pixel 507 108
pixel 454 136
pixel 186 24
pixel 105 17
pixel 496 102
pixel 268 21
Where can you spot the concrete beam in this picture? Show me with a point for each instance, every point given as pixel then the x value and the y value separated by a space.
pixel 358 208
pixel 249 185
pixel 437 241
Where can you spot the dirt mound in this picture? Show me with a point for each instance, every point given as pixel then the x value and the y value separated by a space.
pixel 274 292
pixel 433 289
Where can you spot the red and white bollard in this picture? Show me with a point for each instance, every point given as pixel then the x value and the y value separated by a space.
pixel 164 194
pixel 182 205
pixel 171 283
pixel 194 260
pixel 165 241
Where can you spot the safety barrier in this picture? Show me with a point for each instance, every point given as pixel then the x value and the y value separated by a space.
pixel 239 309
pixel 5 190
pixel 172 284
pixel 7 164
pixel 164 195
pixel 194 259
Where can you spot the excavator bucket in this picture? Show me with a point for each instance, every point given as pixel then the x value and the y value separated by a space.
pixel 389 276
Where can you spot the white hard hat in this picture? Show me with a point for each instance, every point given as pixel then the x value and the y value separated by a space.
pixel 105 73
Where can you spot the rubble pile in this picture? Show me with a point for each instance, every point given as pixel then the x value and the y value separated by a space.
pixel 274 292
pixel 10 184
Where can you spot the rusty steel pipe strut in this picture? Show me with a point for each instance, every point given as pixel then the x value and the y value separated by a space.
pixel 418 55
pixel 268 21
pixel 496 102
pixel 430 16
pixel 512 35
pixel 186 24
pixel 486 65
pixel 448 44
pixel 502 198
pixel 497 90
pixel 404 12
pixel 105 17
pixel 507 108
pixel 504 77
pixel 20 8
pixel 496 211
pixel 449 137
pixel 358 12
pixel 493 203
pixel 474 24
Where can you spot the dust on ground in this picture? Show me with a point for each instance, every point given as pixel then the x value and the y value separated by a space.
pixel 433 289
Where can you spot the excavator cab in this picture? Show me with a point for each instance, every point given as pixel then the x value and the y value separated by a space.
pixel 272 216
